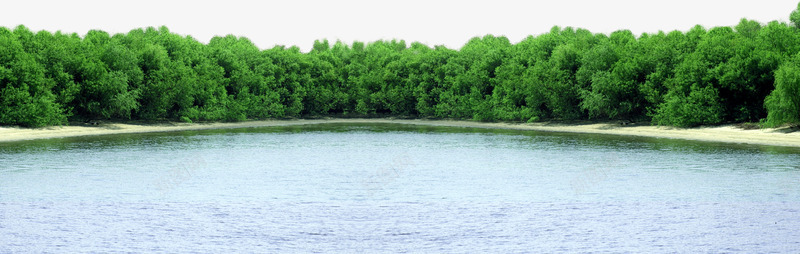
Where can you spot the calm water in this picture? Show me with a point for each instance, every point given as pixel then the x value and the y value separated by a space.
pixel 395 188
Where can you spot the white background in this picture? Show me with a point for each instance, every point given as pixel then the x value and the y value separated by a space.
pixel 450 23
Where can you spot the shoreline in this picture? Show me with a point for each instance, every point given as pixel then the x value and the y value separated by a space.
pixel 723 134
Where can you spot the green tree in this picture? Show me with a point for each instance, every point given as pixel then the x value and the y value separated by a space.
pixel 783 104
pixel 26 96
pixel 693 98
pixel 795 16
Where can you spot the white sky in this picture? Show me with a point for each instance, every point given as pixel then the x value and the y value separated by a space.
pixel 449 22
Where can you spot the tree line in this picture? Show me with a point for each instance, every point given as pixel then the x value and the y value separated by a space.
pixel 746 73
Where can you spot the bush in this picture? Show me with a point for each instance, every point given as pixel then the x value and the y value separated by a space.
pixel 700 107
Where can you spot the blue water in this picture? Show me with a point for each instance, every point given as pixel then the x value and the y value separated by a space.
pixel 395 188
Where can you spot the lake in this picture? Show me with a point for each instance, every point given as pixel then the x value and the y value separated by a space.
pixel 387 188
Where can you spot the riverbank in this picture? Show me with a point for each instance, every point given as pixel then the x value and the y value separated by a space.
pixel 725 133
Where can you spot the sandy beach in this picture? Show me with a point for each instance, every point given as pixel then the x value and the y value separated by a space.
pixel 725 133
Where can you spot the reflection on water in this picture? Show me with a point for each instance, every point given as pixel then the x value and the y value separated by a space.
pixel 391 188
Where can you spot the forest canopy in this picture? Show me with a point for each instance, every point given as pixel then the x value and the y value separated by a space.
pixel 746 73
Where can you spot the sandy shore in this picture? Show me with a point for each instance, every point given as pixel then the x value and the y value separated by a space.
pixel 727 134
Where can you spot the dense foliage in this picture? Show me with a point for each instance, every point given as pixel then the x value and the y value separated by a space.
pixel 724 74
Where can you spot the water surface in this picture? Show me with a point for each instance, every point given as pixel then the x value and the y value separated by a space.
pixel 395 188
